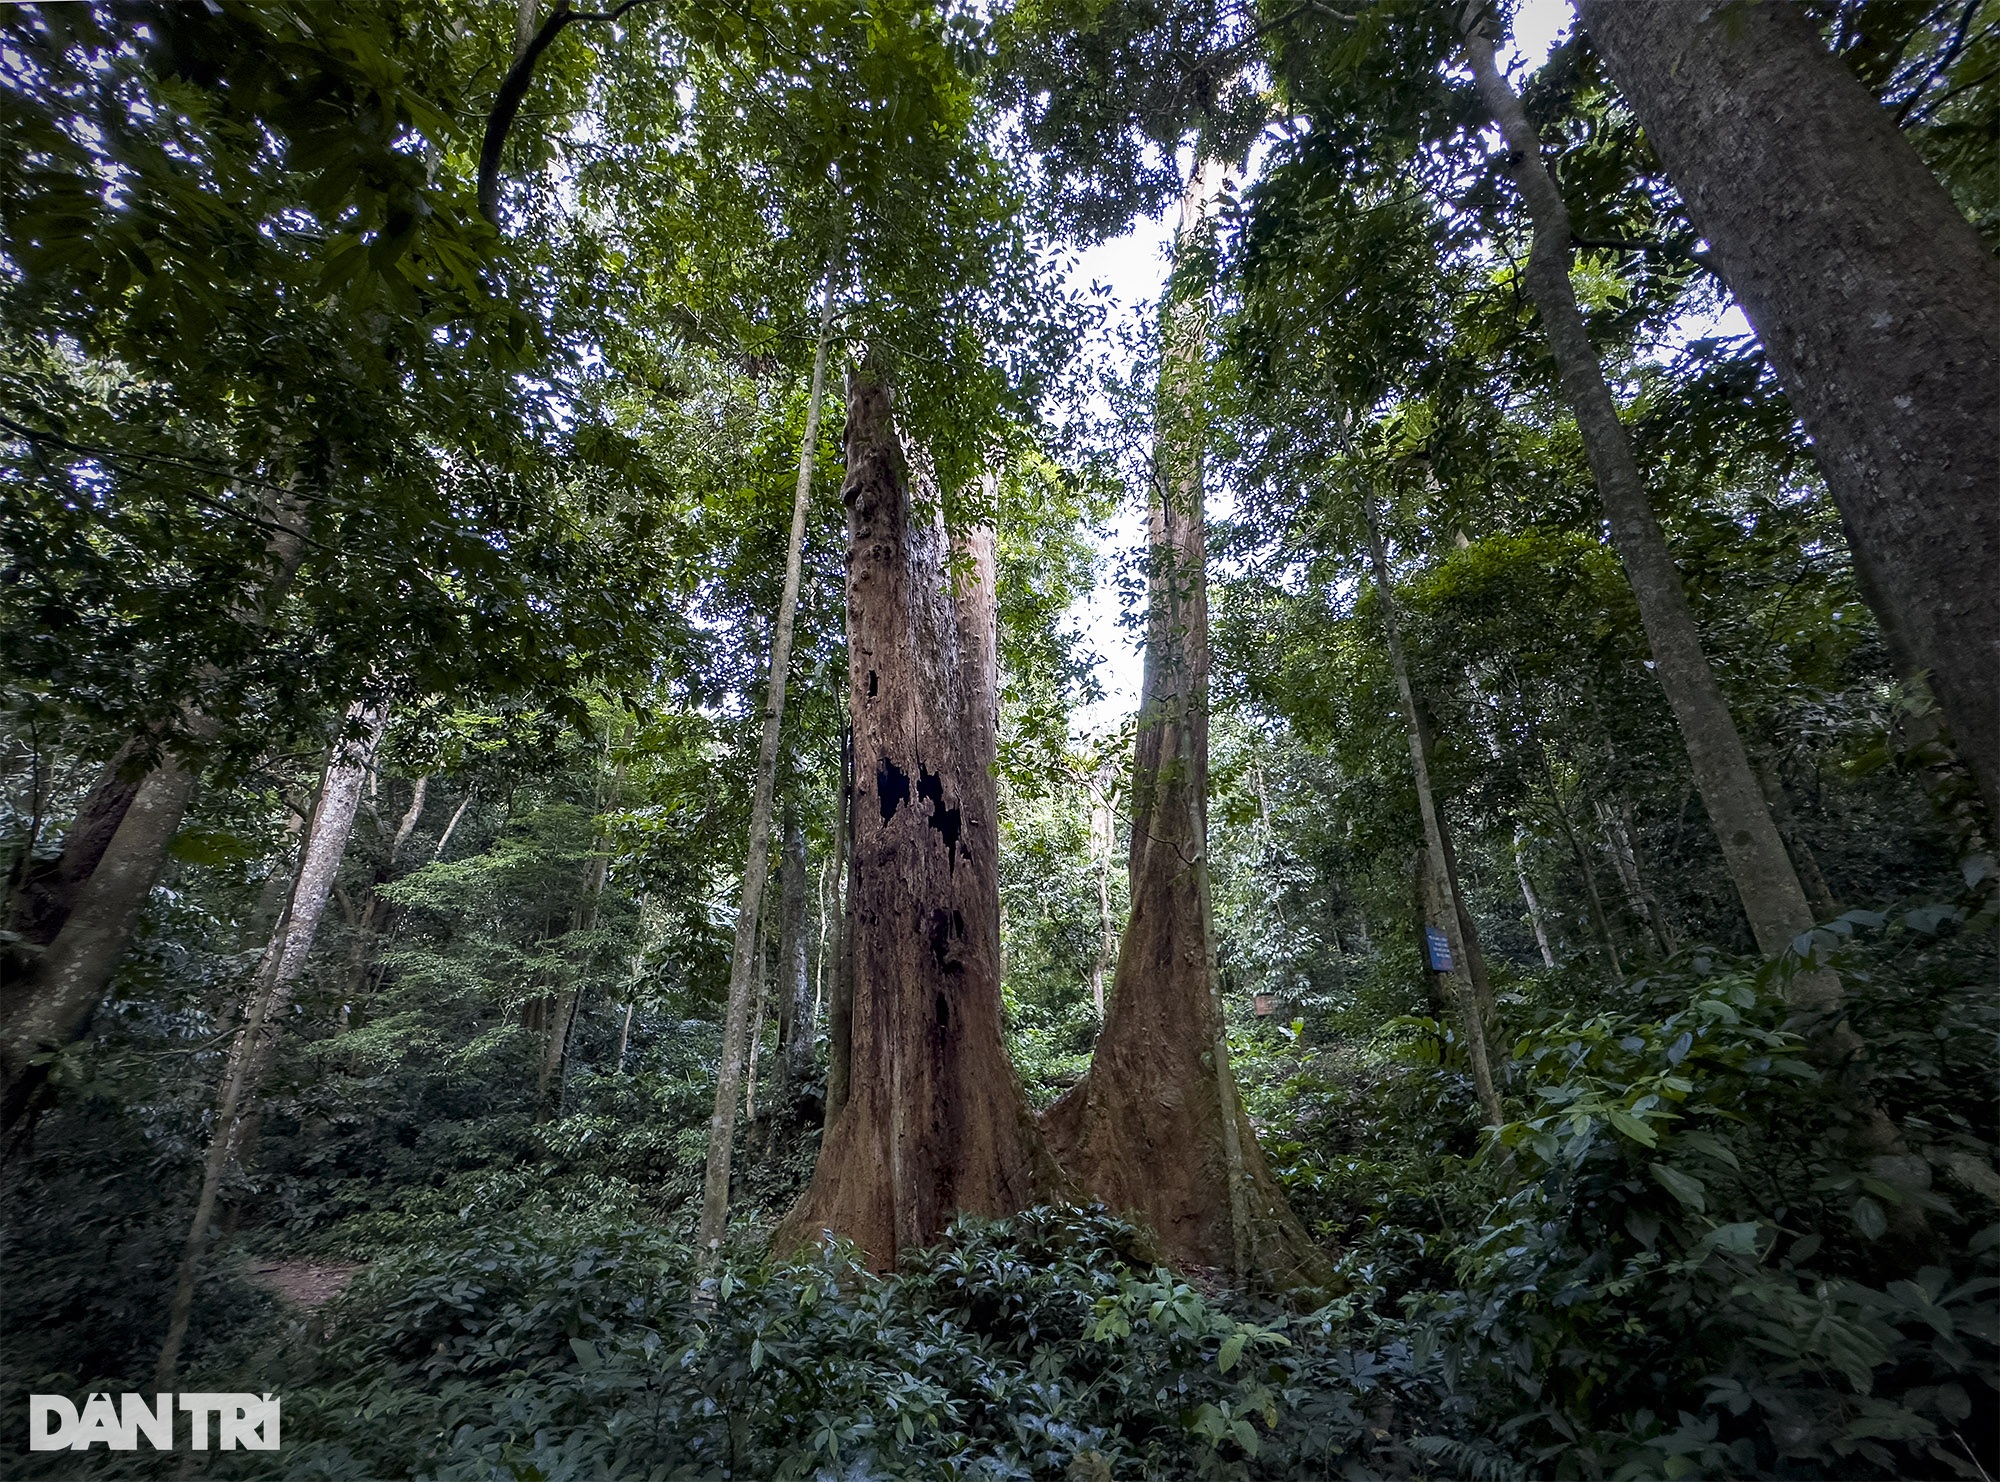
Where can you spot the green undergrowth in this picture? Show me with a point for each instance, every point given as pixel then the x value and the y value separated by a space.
pixel 1037 1347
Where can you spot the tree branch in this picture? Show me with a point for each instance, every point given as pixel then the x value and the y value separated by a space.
pixel 514 87
pixel 1664 249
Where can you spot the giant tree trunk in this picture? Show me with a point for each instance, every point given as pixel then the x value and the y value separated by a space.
pixel 1876 301
pixel 1754 853
pixel 736 1020
pixel 934 1121
pixel 256 1042
pixel 1156 1128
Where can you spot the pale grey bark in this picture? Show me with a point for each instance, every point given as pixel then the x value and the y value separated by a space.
pixel 1874 298
pixel 1534 906
pixel 736 1022
pixel 1441 910
pixel 1755 856
pixel 256 1042
pixel 795 1022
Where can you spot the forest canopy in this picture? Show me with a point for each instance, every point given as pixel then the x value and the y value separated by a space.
pixel 674 808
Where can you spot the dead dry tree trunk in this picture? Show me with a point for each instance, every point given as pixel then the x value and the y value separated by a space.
pixel 1444 947
pixel 1874 297
pixel 736 1022
pixel 255 1047
pixel 1156 1128
pixel 932 1121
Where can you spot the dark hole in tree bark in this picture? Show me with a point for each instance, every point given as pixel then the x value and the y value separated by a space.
pixel 943 931
pixel 892 786
pixel 871 684
pixel 945 820
pixel 943 1012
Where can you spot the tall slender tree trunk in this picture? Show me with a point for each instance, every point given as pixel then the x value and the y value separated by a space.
pixel 255 1046
pixel 759 996
pixel 840 1005
pixel 1625 862
pixel 1875 299
pixel 1156 1128
pixel 1755 855
pixel 1765 881
pixel 1825 907
pixel 1103 843
pixel 795 1008
pixel 1442 909
pixel 561 1025
pixel 1535 918
pixel 757 861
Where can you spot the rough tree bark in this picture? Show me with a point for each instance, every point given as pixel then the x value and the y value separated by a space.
pixel 255 1046
pixel 736 1021
pixel 1156 1128
pixel 934 1121
pixel 1875 299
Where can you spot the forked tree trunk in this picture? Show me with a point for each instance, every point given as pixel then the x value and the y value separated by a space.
pixel 47 891
pixel 1156 1128
pixel 52 1005
pixel 256 1042
pixel 1875 299
pixel 934 1121
pixel 736 1020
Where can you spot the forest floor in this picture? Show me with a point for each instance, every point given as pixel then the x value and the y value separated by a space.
pixel 307 1284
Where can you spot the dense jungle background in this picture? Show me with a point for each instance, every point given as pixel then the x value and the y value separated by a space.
pixel 592 891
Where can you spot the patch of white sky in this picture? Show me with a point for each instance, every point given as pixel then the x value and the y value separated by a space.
pixel 1134 268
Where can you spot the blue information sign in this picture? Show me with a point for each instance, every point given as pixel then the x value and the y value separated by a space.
pixel 1437 946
